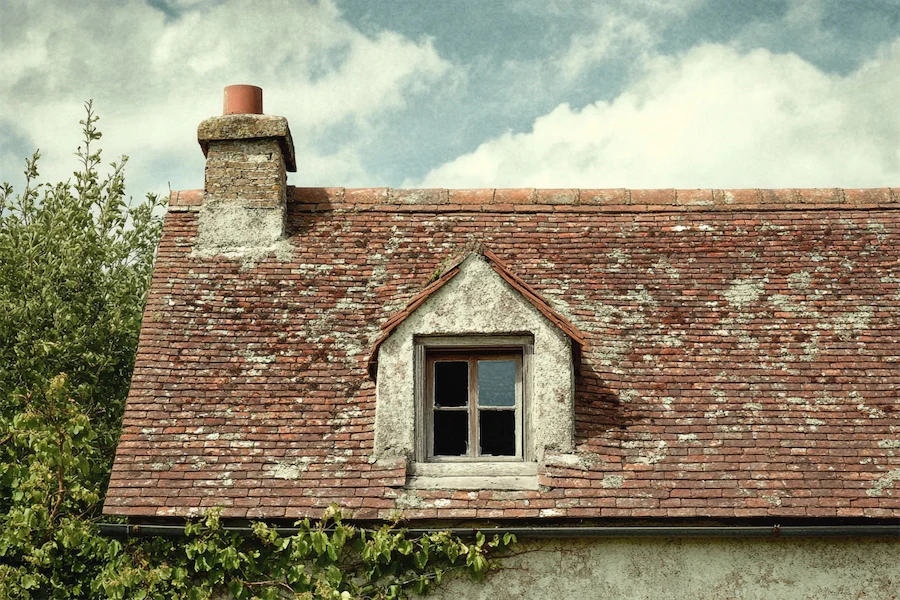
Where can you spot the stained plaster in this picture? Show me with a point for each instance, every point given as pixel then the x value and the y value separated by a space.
pixel 242 233
pixel 691 568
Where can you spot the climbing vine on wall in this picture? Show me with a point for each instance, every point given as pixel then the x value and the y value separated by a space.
pixel 323 559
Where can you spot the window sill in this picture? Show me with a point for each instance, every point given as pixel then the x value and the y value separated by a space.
pixel 473 476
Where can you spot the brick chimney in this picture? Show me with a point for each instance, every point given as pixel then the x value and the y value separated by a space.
pixel 247 154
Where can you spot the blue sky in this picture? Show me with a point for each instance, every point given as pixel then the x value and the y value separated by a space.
pixel 469 93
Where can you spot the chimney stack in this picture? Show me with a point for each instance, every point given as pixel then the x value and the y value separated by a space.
pixel 247 154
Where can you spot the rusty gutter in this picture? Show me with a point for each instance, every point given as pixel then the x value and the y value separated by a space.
pixel 127 530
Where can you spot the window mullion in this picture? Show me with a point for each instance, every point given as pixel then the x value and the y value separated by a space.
pixel 473 408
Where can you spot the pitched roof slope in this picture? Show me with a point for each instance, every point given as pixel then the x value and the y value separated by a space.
pixel 742 354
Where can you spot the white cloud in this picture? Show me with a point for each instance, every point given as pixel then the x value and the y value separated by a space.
pixel 154 78
pixel 614 31
pixel 615 34
pixel 712 117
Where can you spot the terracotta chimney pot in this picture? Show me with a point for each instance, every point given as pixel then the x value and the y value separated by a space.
pixel 243 100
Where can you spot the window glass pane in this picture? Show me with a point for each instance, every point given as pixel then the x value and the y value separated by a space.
pixel 498 432
pixel 451 432
pixel 496 383
pixel 451 383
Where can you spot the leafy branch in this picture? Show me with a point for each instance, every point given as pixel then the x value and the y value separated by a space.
pixel 75 262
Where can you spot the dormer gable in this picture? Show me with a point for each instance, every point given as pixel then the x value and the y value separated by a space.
pixel 447 272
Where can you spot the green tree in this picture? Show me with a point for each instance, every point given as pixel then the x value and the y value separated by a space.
pixel 75 261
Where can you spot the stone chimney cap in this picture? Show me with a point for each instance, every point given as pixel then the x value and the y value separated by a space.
pixel 243 100
pixel 248 127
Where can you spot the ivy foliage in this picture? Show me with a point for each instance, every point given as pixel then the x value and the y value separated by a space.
pixel 325 559
pixel 75 264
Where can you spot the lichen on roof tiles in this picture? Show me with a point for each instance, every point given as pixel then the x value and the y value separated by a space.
pixel 742 354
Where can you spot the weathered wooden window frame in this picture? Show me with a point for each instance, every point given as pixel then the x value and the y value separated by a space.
pixel 521 466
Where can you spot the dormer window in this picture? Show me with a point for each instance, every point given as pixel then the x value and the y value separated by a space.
pixel 475 380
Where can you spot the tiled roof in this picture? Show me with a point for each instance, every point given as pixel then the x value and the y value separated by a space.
pixel 741 354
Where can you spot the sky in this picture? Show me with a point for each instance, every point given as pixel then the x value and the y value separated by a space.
pixel 468 93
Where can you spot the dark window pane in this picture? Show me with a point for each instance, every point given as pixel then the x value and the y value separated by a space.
pixel 498 432
pixel 496 383
pixel 451 383
pixel 451 432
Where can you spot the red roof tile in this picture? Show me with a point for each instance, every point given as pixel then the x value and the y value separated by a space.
pixel 741 354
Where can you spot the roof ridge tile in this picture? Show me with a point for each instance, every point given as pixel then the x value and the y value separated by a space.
pixel 580 199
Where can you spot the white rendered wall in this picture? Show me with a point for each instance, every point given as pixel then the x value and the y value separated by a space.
pixel 692 569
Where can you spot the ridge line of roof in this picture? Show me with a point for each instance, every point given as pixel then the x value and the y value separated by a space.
pixel 320 199
pixel 604 197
